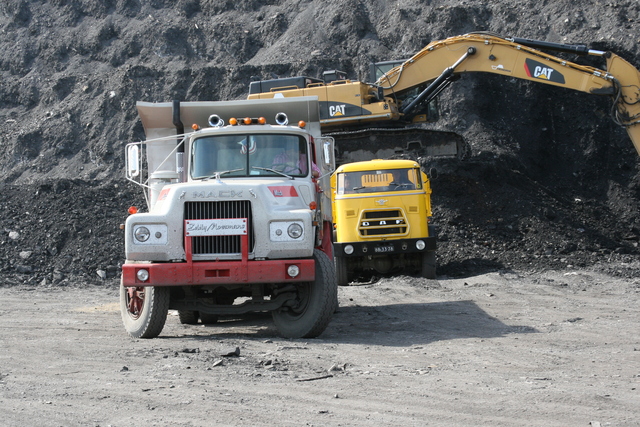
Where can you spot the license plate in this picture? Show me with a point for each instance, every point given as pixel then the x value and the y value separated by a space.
pixel 385 248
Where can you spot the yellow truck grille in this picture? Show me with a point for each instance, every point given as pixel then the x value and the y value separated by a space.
pixel 381 223
pixel 217 210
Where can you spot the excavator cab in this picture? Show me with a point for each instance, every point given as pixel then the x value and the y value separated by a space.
pixel 427 113
pixel 379 69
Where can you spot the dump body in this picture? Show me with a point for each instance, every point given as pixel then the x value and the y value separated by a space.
pixel 381 210
pixel 237 217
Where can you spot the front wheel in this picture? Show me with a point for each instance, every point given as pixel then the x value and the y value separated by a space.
pixel 342 271
pixel 429 265
pixel 144 310
pixel 315 303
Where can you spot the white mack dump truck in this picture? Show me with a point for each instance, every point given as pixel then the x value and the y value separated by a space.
pixel 239 216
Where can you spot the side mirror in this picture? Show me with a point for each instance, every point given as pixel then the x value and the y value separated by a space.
pixel 133 160
pixel 328 151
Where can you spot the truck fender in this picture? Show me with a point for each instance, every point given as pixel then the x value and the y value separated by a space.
pixel 326 245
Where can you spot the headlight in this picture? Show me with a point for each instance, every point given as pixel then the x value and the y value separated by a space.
pixel 286 231
pixel 348 249
pixel 294 231
pixel 420 245
pixel 141 234
pixel 150 234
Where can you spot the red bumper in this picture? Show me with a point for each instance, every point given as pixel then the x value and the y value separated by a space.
pixel 218 272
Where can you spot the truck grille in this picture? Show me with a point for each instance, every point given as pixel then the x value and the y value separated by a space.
pixel 215 210
pixel 379 223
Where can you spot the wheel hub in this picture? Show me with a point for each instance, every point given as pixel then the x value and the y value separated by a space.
pixel 135 301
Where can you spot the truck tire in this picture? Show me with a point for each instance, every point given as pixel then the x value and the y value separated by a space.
pixel 144 310
pixel 208 319
pixel 314 306
pixel 188 317
pixel 429 265
pixel 342 272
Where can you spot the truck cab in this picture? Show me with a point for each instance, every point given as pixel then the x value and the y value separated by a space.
pixel 237 217
pixel 381 211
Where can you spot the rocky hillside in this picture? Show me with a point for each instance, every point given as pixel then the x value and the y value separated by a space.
pixel 551 182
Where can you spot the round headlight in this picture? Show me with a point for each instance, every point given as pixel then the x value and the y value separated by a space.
pixel 294 231
pixel 420 245
pixel 293 270
pixel 142 275
pixel 348 249
pixel 142 234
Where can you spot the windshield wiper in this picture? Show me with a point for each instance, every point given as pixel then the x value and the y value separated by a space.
pixel 399 184
pixel 272 170
pixel 217 175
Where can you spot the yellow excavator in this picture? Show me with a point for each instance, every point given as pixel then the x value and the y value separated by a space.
pixel 378 120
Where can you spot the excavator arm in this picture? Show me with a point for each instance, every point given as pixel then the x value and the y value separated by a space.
pixel 518 58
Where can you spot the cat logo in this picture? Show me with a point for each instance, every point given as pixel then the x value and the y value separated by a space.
pixel 337 110
pixel 543 73
pixel 538 70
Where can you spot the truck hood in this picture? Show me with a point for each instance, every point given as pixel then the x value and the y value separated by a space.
pixel 285 193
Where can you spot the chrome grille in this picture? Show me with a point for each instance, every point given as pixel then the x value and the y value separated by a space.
pixel 379 223
pixel 216 210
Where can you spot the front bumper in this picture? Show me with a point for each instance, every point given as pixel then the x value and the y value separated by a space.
pixel 384 247
pixel 218 272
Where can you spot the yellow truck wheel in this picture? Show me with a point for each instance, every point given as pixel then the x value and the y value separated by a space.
pixel 342 271
pixel 429 265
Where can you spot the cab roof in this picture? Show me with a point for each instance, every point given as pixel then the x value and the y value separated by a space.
pixel 377 164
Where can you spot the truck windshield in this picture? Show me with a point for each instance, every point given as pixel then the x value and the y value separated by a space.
pixel 379 181
pixel 244 155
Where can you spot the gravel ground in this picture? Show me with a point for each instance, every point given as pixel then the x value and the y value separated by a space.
pixel 550 348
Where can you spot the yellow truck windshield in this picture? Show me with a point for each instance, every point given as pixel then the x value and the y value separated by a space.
pixel 378 181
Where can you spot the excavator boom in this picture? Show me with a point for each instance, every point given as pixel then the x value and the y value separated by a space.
pixel 520 58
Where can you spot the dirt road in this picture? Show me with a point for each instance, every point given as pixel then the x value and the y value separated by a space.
pixel 500 349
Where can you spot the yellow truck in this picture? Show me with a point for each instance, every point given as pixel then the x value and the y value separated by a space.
pixel 381 211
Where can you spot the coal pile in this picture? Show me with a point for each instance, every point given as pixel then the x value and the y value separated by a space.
pixel 551 183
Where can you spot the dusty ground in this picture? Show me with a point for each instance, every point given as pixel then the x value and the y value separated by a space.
pixel 545 348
